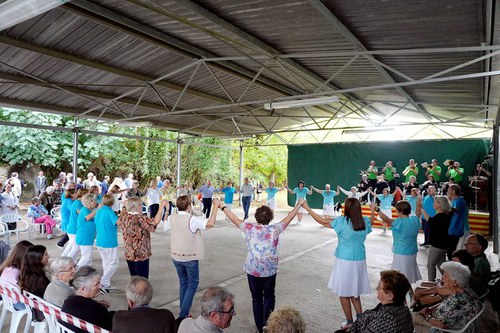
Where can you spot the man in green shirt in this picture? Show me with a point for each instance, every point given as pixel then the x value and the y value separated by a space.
pixel 410 170
pixel 455 172
pixel 434 170
pixel 372 173
pixel 389 172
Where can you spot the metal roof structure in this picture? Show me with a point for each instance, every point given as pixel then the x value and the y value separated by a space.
pixel 424 68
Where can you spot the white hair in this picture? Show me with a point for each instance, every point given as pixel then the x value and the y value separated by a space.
pixel 457 272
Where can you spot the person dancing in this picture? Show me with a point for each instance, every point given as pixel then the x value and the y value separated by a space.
pixel 349 278
pixel 301 193
pixel 328 204
pixel 271 194
pixel 385 204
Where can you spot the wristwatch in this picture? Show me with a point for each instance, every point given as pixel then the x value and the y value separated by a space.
pixel 377 209
pixel 428 317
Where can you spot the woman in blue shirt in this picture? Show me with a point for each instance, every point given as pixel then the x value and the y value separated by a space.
pixel 301 193
pixel 85 229
pixel 349 278
pixel 72 249
pixel 271 195
pixel 404 231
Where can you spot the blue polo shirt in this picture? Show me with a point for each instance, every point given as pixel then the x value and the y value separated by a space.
pixel 428 205
pixel 413 203
pixel 405 232
pixel 85 232
pixel 301 194
pixel 105 225
pixel 271 192
pixel 65 211
pixel 328 197
pixel 351 243
pixel 75 207
pixel 460 219
pixel 228 194
pixel 385 202
pixel 207 191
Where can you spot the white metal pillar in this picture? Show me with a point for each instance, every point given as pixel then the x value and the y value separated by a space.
pixel 179 150
pixel 75 152
pixel 241 168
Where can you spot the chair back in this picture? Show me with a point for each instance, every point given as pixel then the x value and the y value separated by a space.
pixel 8 300
pixel 49 312
pixel 10 218
pixel 471 324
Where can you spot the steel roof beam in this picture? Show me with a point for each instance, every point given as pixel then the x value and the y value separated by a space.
pixel 121 23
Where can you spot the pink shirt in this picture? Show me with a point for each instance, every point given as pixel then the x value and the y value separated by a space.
pixel 10 275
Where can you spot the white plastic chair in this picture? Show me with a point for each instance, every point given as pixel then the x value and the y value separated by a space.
pixel 470 323
pixel 36 228
pixel 17 315
pixel 4 232
pixel 60 328
pixel 41 326
pixel 16 218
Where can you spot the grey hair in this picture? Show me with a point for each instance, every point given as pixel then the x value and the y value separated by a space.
pixel 50 189
pixel 139 291
pixel 134 204
pixel 444 202
pixel 457 272
pixel 88 199
pixel 85 276
pixel 213 300
pixel 60 264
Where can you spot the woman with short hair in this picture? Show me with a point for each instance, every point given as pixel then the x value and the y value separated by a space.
pixel 87 283
pixel 285 320
pixel 63 270
pixel 85 229
pixel 261 264
pixel 404 231
pixel 72 249
pixel 457 309
pixel 40 215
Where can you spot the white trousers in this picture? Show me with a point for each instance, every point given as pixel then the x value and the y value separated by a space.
pixel 109 258
pixel 86 258
pixel 229 207
pixel 71 250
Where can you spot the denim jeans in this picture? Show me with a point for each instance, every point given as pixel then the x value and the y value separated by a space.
pixel 425 229
pixel 189 277
pixel 263 299
pixel 246 205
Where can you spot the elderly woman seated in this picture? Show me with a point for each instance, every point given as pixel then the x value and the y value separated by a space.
pixel 457 309
pixel 63 270
pixel 285 320
pixel 87 283
pixel 391 314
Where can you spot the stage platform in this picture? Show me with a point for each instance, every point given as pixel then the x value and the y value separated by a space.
pixel 479 221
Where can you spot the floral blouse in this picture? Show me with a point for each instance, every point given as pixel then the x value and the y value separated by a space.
pixel 37 211
pixel 136 230
pixel 456 310
pixel 262 242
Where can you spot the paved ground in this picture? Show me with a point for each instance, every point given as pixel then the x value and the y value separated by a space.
pixel 306 253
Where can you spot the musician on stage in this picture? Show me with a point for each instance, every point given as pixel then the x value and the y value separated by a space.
pixel 434 170
pixel 481 173
pixel 410 170
pixel 410 185
pixel 389 171
pixel 429 182
pixel 456 172
pixel 372 173
pixel 363 186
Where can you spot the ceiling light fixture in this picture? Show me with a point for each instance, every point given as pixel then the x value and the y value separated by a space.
pixel 300 103
pixel 367 130
pixel 13 12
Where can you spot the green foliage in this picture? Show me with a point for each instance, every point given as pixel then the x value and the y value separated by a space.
pixel 266 162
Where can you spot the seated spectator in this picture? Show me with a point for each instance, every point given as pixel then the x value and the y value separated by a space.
pixel 217 310
pixel 47 198
pixel 63 270
pixel 139 293
pixel 33 276
pixel 11 267
pixel 285 320
pixel 391 314
pixel 40 215
pixel 475 283
pixel 476 244
pixel 87 283
pixel 457 309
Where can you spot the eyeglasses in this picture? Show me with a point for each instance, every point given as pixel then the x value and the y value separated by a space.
pixel 469 243
pixel 231 311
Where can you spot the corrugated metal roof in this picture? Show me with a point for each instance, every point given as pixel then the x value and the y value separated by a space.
pixel 84 55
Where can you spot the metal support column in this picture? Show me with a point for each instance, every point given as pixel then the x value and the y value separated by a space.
pixel 241 168
pixel 75 152
pixel 494 211
pixel 179 150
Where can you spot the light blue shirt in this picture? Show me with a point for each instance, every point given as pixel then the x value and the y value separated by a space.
pixel 85 232
pixel 246 190
pixel 413 203
pixel 271 192
pixel 385 201
pixel 351 243
pixel 460 219
pixel 75 206
pixel 428 205
pixel 65 211
pixel 98 198
pixel 105 224
pixel 207 191
pixel 228 194
pixel 405 232
pixel 328 197
pixel 301 194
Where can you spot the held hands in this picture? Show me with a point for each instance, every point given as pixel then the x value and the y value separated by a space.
pixel 216 203
pixel 301 202
pixel 373 207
